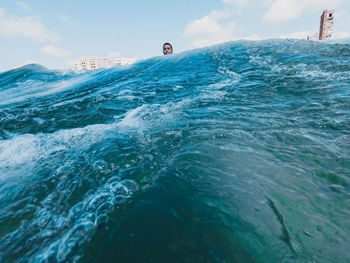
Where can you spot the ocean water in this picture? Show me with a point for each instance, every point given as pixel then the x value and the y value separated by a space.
pixel 238 152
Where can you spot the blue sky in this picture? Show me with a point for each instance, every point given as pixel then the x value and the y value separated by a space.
pixel 58 33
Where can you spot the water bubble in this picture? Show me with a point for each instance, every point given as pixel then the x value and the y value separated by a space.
pixel 119 199
pixel 100 165
pixel 73 239
pixel 88 216
pixel 119 189
pixel 48 255
pixel 308 233
pixel 76 210
pixel 130 185
pixel 43 218
pixel 114 179
pixel 101 220
pixel 106 207
pixel 98 200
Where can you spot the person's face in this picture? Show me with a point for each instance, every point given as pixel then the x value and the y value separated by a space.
pixel 167 50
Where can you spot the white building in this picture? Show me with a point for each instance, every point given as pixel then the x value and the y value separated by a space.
pixel 124 61
pixel 313 36
pixel 97 63
pixel 92 64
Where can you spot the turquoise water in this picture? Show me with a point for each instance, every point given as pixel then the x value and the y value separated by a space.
pixel 233 153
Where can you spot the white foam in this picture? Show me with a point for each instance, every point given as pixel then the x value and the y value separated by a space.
pixel 150 115
pixel 132 117
pixel 26 148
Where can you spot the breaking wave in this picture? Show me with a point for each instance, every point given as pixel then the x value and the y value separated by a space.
pixel 233 153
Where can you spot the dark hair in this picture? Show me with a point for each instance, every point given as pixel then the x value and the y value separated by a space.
pixel 166 43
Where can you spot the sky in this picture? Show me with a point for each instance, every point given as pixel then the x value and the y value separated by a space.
pixel 56 34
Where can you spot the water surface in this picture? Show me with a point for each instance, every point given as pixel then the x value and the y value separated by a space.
pixel 233 153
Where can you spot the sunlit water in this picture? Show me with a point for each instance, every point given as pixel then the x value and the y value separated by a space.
pixel 235 153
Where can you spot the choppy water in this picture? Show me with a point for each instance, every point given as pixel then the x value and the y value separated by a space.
pixel 234 153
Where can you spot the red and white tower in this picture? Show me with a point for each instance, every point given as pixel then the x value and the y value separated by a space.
pixel 326 24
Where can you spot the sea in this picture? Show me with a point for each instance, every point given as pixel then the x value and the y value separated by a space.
pixel 238 152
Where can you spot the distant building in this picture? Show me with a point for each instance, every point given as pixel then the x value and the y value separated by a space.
pixel 97 63
pixel 326 24
pixel 314 36
pixel 93 64
pixel 124 61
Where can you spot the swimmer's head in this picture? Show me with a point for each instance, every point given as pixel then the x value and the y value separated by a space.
pixel 167 49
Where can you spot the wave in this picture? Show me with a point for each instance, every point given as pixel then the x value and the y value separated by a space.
pixel 231 153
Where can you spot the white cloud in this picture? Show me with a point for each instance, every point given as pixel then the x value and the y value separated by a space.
pixel 298 35
pixel 284 10
pixel 217 26
pixel 304 34
pixel 63 18
pixel 342 35
pixel 208 30
pixel 24 6
pixel 253 37
pixel 28 26
pixel 54 51
pixel 237 4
